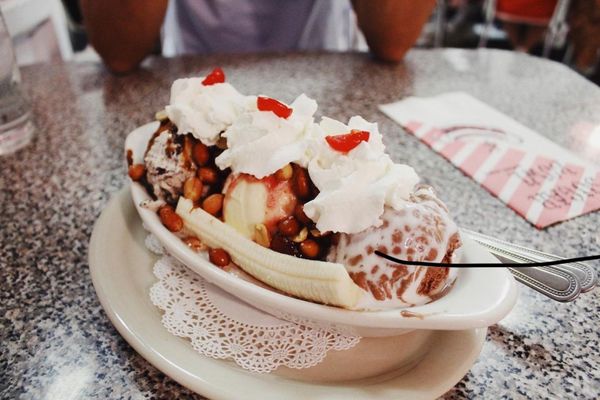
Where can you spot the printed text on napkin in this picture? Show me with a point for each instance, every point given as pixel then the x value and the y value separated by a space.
pixel 540 180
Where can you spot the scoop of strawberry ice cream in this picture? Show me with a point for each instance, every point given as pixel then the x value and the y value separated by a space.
pixel 250 201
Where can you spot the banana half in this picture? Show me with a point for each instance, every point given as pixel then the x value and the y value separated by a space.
pixel 319 281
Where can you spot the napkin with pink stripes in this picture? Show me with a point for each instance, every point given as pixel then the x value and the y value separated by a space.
pixel 541 181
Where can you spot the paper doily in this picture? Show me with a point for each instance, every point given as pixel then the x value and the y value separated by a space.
pixel 221 326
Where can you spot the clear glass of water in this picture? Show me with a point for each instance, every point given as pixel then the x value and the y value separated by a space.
pixel 16 128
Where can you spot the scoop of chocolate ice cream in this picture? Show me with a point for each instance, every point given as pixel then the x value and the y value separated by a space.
pixel 169 163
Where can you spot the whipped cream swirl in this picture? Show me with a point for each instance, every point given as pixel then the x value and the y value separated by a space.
pixel 204 111
pixel 355 186
pixel 259 142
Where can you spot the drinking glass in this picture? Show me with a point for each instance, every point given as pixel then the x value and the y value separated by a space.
pixel 16 128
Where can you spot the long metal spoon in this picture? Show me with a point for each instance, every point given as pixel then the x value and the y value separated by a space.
pixel 556 282
pixel 586 275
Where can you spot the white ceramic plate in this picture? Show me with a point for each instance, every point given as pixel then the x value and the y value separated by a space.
pixel 121 270
pixel 480 297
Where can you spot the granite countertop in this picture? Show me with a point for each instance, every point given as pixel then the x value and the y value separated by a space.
pixel 58 343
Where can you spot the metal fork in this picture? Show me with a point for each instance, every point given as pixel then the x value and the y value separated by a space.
pixel 560 282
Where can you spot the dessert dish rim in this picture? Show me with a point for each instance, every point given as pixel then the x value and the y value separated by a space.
pixel 484 309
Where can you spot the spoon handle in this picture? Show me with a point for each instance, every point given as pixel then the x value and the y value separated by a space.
pixel 556 283
pixel 585 274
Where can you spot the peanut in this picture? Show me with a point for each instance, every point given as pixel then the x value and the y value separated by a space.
pixel 310 248
pixel 300 184
pixel 161 115
pixel 194 243
pixel 170 219
pixel 192 189
pixel 301 236
pixel 200 154
pixel 213 203
pixel 219 257
pixel 262 235
pixel 316 233
pixel 284 173
pixel 207 175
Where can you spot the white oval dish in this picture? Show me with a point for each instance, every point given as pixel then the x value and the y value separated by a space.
pixel 479 297
pixel 121 270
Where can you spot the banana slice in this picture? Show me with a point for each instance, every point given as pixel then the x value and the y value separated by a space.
pixel 319 281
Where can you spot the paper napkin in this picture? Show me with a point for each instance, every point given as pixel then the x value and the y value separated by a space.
pixel 541 181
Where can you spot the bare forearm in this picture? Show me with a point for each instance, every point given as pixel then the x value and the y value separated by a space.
pixel 123 32
pixel 391 27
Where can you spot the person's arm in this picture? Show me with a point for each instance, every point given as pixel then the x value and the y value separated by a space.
pixel 123 32
pixel 391 27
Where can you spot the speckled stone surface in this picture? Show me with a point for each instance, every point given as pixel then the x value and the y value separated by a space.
pixel 57 343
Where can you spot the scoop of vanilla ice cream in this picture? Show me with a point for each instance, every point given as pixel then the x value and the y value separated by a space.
pixel 204 111
pixel 355 186
pixel 259 142
pixel 421 231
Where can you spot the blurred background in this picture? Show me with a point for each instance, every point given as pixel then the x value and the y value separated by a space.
pixel 567 31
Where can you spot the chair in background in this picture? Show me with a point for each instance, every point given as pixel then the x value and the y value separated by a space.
pixel 557 27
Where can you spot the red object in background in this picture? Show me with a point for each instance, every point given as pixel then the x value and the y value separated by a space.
pixel 348 141
pixel 526 11
pixel 277 107
pixel 216 76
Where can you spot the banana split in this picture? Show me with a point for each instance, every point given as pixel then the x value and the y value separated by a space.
pixel 300 205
